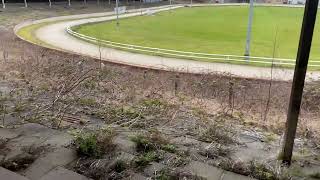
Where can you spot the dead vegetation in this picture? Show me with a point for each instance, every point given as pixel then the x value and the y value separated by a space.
pixel 254 169
pixel 100 169
pixel 151 147
pixel 46 83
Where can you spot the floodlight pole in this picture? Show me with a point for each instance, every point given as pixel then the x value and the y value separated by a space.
pixel 248 41
pixel 117 11
pixel 309 18
pixel 25 3
pixel 141 6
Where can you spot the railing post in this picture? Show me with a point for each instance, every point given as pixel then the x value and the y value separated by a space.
pixel 310 14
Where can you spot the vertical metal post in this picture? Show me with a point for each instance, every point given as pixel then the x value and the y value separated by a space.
pixel 117 11
pixel 50 4
pixel 25 4
pixel 141 6
pixel 3 4
pixel 309 18
pixel 248 41
pixel 69 3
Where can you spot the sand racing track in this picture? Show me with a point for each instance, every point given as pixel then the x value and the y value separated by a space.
pixel 52 33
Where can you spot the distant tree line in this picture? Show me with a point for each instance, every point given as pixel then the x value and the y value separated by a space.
pixel 22 1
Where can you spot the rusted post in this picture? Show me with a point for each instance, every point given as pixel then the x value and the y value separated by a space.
pixel 306 35
pixel 176 84
pixel 231 96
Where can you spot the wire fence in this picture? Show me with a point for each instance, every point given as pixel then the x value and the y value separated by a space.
pixel 266 61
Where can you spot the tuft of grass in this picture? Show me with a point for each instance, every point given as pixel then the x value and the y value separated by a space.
pixel 120 166
pixel 270 137
pixel 215 151
pixel 94 144
pixel 123 113
pixel 170 174
pixel 218 133
pixel 169 148
pixel 152 141
pixel 153 103
pixel 154 106
pixel 90 102
pixel 143 144
pixel 315 175
pixel 19 107
pixel 146 158
pixel 90 84
pixel 254 169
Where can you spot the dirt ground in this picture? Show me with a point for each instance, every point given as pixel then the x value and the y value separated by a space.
pixel 70 93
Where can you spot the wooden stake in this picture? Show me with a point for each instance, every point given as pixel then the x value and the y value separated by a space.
pixel 310 14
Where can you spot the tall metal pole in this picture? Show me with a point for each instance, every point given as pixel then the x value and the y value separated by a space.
pixel 117 11
pixel 3 4
pixel 248 41
pixel 309 18
pixel 69 3
pixel 25 4
pixel 141 6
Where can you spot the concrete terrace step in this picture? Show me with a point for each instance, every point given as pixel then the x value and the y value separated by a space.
pixel 212 173
pixel 9 175
pixel 43 165
pixel 61 173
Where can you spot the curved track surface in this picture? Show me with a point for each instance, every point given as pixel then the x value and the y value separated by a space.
pixel 55 36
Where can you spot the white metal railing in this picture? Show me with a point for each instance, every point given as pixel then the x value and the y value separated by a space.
pixel 193 55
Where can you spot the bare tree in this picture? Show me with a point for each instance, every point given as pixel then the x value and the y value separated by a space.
pixel 25 3
pixel 3 4
pixel 271 77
